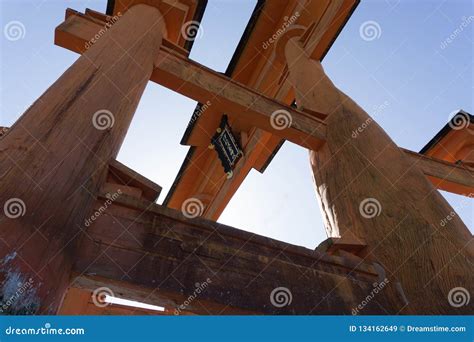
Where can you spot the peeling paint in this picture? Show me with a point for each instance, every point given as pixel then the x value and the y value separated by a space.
pixel 8 258
pixel 18 293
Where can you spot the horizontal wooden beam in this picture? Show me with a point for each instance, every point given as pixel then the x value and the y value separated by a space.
pixel 154 247
pixel 202 84
pixel 189 78
pixel 172 302
pixel 81 299
pixel 445 176
pixel 176 72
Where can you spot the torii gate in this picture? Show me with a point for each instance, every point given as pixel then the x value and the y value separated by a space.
pixel 58 173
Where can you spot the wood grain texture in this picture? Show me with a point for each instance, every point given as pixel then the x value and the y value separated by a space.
pixel 167 254
pixel 78 300
pixel 458 179
pixel 54 159
pixel 191 79
pixel 405 233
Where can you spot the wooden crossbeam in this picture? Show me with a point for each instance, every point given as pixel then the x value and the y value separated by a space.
pixel 175 71
pixel 203 84
pixel 159 255
pixel 445 176
pixel 80 299
pixel 75 303
pixel 189 78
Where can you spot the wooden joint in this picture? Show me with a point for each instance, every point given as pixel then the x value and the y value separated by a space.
pixel 333 245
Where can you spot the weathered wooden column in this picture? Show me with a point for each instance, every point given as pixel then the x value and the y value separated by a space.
pixel 54 158
pixel 369 191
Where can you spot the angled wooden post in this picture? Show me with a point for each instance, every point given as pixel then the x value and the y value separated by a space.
pixel 54 158
pixel 370 192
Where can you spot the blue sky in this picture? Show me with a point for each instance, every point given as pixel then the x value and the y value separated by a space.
pixel 403 78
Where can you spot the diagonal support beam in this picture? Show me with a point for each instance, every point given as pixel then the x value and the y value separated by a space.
pixel 175 71
pixel 178 73
pixel 444 175
pixel 203 84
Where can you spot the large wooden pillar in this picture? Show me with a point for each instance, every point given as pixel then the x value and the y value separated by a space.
pixel 54 159
pixel 369 191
